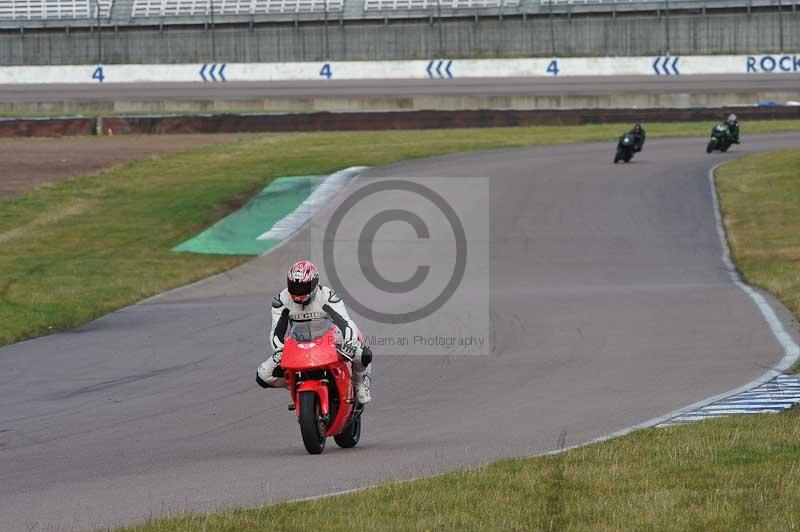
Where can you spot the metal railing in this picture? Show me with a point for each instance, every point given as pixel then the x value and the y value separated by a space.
pixel 52 9
pixel 188 8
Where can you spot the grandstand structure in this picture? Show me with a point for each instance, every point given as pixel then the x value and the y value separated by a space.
pixel 97 32
pixel 87 13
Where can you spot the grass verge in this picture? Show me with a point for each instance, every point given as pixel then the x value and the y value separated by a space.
pixel 723 475
pixel 75 250
pixel 760 201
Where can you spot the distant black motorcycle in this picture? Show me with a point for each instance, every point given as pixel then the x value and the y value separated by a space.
pixel 721 138
pixel 626 147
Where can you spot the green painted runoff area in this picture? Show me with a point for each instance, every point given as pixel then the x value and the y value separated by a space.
pixel 237 233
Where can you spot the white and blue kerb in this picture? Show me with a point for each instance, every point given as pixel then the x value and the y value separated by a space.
pixel 777 395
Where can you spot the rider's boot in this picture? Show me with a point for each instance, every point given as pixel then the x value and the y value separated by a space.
pixel 270 373
pixel 361 372
pixel 361 381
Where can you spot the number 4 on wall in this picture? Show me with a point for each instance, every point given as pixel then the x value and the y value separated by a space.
pixel 326 71
pixel 98 74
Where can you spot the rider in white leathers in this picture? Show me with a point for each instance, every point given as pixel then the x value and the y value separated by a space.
pixel 305 299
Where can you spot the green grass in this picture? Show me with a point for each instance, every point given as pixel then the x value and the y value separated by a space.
pixel 760 201
pixel 75 250
pixel 723 475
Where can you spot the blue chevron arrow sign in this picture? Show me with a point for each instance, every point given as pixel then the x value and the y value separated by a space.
pixel 666 66
pixel 438 70
pixel 213 73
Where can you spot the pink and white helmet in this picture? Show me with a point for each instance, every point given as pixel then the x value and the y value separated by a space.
pixel 302 281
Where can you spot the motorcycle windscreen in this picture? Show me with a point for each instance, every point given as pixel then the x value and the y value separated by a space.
pixel 310 345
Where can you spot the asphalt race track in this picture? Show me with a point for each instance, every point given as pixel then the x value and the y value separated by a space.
pixel 610 306
pixel 569 86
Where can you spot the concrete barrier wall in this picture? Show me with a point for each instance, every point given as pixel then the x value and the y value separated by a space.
pixel 423 120
pixel 585 35
pixel 658 66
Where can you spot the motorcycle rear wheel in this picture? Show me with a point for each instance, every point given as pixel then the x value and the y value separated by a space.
pixel 349 437
pixel 312 426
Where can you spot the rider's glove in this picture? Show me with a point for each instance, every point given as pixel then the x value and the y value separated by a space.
pixel 349 335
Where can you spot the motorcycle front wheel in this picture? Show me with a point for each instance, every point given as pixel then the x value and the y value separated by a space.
pixel 312 425
pixel 350 435
pixel 710 147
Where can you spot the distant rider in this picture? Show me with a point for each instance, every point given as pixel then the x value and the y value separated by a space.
pixel 305 299
pixel 639 136
pixel 733 125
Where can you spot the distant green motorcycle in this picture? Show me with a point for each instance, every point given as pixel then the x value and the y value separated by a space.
pixel 721 138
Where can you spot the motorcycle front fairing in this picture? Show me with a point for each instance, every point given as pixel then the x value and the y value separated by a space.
pixel 310 345
pixel 719 132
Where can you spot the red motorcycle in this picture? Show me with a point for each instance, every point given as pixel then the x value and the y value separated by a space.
pixel 319 374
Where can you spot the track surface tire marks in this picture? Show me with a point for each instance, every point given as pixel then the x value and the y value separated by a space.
pixel 610 305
